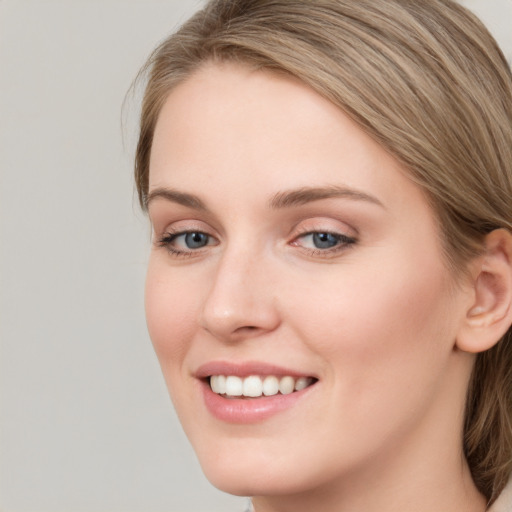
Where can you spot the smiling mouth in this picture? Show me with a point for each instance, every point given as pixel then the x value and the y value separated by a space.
pixel 254 386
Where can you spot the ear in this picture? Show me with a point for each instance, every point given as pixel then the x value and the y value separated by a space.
pixel 490 314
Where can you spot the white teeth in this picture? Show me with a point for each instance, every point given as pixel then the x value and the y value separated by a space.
pixel 234 386
pixel 255 386
pixel 270 386
pixel 218 384
pixel 287 385
pixel 302 383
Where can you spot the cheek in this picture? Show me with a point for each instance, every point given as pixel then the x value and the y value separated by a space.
pixel 385 340
pixel 382 325
pixel 171 314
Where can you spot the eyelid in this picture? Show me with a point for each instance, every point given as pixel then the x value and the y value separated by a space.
pixel 163 214
pixel 181 225
pixel 324 226
pixel 304 228
pixel 341 236
pixel 329 253
pixel 164 237
pixel 166 241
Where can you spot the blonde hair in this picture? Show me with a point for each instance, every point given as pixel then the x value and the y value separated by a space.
pixel 428 82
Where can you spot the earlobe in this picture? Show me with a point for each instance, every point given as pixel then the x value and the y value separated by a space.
pixel 490 314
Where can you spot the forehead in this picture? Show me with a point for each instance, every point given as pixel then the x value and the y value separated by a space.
pixel 231 126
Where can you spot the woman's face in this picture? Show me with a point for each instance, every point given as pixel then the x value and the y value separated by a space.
pixel 290 248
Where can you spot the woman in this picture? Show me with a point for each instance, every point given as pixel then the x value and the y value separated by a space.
pixel 329 290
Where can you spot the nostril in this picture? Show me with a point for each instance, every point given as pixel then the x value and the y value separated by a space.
pixel 247 331
pixel 246 328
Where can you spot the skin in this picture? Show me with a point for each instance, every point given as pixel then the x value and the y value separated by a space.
pixel 375 321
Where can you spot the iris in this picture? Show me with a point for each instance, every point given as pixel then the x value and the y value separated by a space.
pixel 325 240
pixel 196 240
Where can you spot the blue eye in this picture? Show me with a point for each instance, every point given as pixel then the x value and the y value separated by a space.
pixel 186 243
pixel 325 240
pixel 195 239
pixel 324 243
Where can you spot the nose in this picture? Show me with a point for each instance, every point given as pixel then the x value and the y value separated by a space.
pixel 241 302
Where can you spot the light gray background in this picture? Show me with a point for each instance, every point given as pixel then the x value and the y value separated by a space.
pixel 86 424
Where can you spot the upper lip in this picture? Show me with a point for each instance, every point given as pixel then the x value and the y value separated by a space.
pixel 245 369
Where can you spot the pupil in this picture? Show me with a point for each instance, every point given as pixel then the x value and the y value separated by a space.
pixel 196 240
pixel 324 240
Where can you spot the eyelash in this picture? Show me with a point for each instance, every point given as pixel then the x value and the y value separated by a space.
pixel 169 237
pixel 343 243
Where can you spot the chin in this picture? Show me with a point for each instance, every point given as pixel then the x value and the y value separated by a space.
pixel 240 485
pixel 252 482
pixel 240 471
pixel 260 471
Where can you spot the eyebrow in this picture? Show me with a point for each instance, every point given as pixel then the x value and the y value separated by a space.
pixel 285 199
pixel 304 195
pixel 175 196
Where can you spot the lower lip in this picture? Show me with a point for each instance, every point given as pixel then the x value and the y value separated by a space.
pixel 252 410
